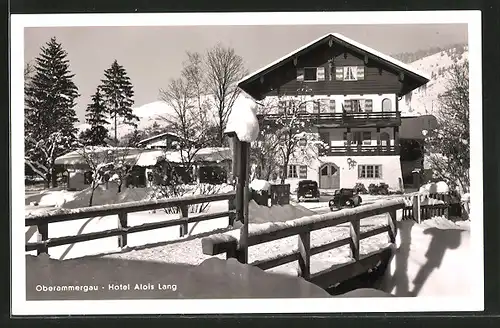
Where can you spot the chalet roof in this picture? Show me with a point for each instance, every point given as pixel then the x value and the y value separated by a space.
pixel 158 136
pixel 341 39
pixel 141 156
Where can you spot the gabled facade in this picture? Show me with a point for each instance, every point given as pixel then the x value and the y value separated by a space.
pixel 165 140
pixel 348 95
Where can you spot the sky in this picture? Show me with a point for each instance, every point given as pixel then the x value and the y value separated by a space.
pixel 153 55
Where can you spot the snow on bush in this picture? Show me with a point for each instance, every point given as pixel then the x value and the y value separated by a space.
pixel 260 185
pixel 57 198
pixel 440 187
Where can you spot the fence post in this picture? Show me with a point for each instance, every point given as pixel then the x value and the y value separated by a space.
pixel 354 242
pixel 122 224
pixel 416 208
pixel 42 235
pixel 232 251
pixel 393 230
pixel 183 213
pixel 304 247
pixel 231 207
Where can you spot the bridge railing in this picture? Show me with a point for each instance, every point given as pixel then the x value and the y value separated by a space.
pixel 228 243
pixel 42 220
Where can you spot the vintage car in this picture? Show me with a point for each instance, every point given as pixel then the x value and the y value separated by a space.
pixel 307 190
pixel 344 198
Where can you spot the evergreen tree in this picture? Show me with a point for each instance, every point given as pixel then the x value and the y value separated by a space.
pixel 118 94
pixel 97 134
pixel 50 117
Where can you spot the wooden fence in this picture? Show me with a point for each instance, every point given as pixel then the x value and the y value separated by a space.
pixel 416 211
pixel 228 244
pixel 42 221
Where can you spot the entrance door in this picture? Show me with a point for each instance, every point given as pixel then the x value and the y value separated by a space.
pixel 329 176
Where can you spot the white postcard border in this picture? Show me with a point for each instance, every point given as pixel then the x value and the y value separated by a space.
pixel 475 302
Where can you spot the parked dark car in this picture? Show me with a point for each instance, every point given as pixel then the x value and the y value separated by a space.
pixel 344 198
pixel 307 190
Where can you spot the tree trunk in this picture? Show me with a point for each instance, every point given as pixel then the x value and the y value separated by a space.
pixel 116 135
pixel 53 179
pixel 91 196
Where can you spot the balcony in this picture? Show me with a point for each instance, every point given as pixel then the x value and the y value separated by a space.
pixel 359 150
pixel 346 119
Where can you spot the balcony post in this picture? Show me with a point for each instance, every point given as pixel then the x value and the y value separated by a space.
pixel 349 138
pixel 378 141
pixel 396 139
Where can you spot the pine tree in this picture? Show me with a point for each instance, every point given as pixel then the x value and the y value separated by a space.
pixel 118 94
pixel 50 117
pixel 97 134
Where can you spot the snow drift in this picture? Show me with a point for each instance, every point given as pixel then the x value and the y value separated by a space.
pixel 431 260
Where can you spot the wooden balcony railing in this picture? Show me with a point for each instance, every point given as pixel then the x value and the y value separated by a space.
pixel 358 150
pixel 338 118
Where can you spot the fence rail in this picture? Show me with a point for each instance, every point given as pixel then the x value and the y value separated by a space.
pixel 416 211
pixel 302 227
pixel 42 221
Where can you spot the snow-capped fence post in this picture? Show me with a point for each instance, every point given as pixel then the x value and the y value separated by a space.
pixel 42 235
pixel 183 214
pixel 122 224
pixel 304 248
pixel 231 207
pixel 354 242
pixel 243 127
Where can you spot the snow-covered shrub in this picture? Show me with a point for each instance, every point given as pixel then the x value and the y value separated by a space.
pixel 360 188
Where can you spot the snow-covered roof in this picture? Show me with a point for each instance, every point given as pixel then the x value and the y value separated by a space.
pixel 342 38
pixel 145 157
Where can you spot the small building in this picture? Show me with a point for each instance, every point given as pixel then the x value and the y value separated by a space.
pixel 210 165
pixel 349 95
pixel 167 140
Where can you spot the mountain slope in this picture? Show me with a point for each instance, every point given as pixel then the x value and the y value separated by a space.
pixel 424 100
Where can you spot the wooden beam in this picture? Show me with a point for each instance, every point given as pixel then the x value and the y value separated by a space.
pixel 304 247
pixel 122 224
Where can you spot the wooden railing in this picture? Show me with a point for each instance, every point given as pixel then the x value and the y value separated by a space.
pixel 42 221
pixel 346 117
pixel 229 243
pixel 418 212
pixel 355 150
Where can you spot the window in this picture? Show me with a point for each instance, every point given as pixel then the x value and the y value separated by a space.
pixel 359 137
pixel 297 171
pixel 369 171
pixel 358 105
pixel 386 105
pixel 349 73
pixel 324 105
pixel 325 137
pixel 292 171
pixel 311 74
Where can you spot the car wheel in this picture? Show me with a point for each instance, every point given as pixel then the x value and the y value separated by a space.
pixel 348 203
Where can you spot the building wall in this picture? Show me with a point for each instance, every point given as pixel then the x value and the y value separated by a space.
pixel 391 170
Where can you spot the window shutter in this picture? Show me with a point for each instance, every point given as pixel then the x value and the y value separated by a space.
pixel 303 172
pixel 300 74
pixel 368 105
pixel 347 105
pixel 360 73
pixel 309 106
pixel 320 74
pixel 332 105
pixel 339 73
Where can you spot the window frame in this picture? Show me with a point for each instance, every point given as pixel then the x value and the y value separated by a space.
pixel 315 74
pixel 376 171
pixel 289 170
